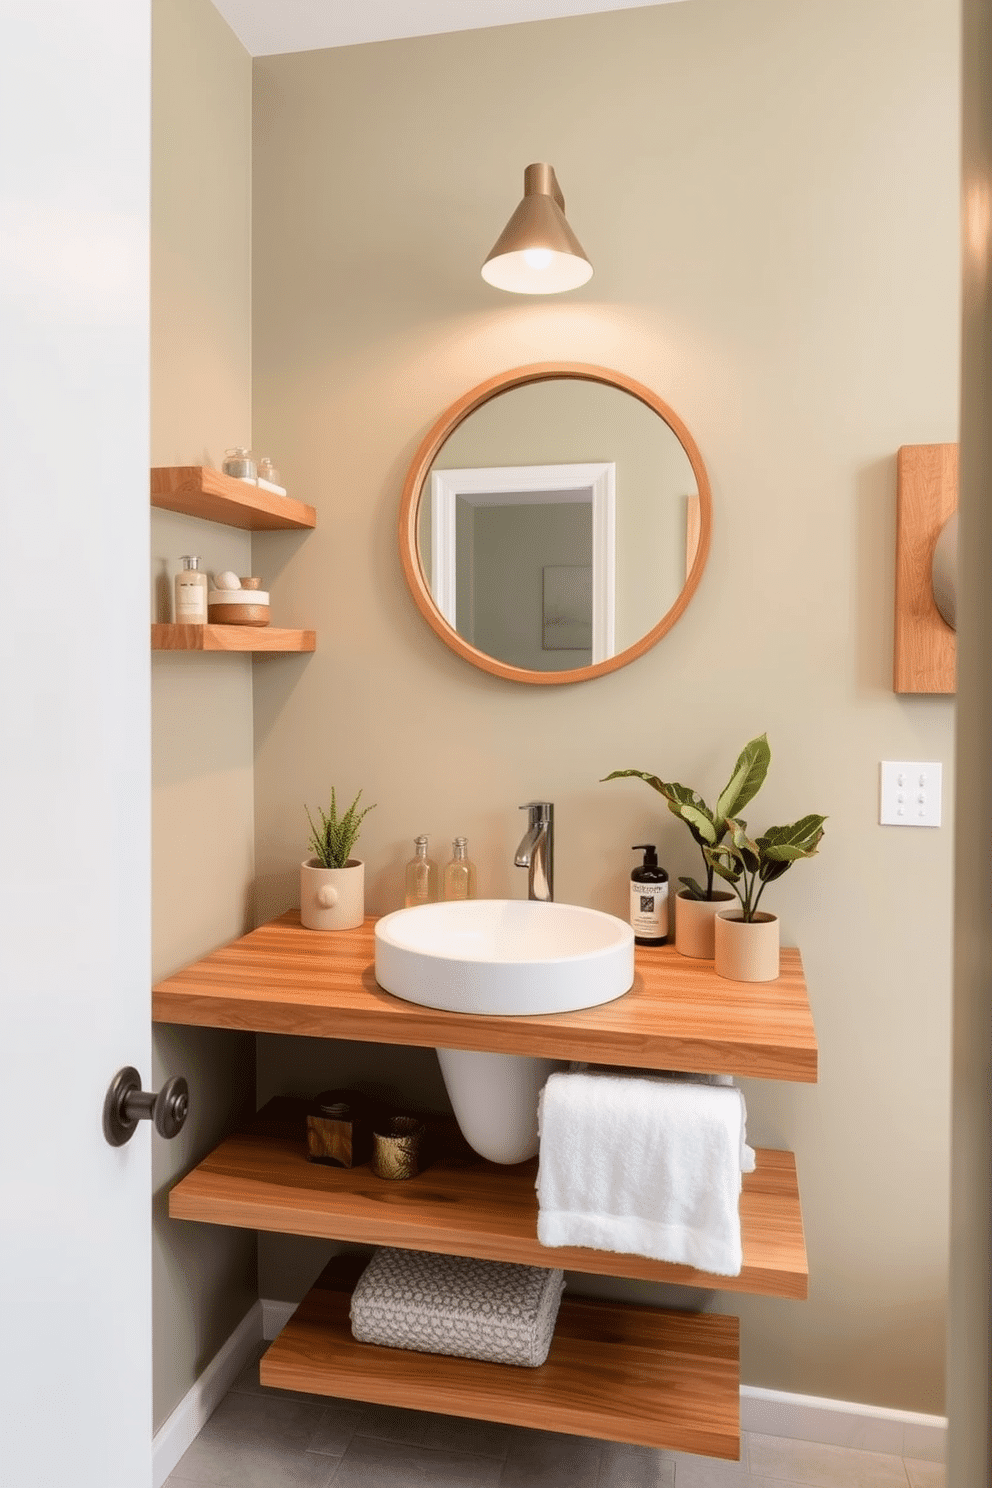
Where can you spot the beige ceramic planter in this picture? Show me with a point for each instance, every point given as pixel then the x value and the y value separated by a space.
pixel 746 952
pixel 332 898
pixel 694 923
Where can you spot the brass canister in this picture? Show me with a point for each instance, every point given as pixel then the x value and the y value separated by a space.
pixel 396 1145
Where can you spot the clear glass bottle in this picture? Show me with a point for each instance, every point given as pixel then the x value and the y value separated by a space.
pixel 191 593
pixel 459 875
pixel 238 463
pixel 421 876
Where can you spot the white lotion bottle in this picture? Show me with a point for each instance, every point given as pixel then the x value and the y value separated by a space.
pixel 191 593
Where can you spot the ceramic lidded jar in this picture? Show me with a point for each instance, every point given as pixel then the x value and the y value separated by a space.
pixel 332 898
pixel 746 951
pixel 694 934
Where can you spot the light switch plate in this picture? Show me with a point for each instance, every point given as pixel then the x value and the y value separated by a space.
pixel 910 793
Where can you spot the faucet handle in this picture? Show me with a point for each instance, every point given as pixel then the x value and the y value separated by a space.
pixel 540 811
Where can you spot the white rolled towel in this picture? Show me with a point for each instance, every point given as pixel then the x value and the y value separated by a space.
pixel 644 1165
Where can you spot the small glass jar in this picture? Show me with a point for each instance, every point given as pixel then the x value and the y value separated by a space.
pixel 422 876
pixel 458 879
pixel 268 472
pixel 239 464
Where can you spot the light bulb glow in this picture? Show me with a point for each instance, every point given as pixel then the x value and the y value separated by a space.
pixel 537 258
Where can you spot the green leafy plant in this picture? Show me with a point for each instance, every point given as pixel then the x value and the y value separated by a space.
pixel 331 843
pixel 708 827
pixel 749 865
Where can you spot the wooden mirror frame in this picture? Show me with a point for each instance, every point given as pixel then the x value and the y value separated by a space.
pixel 420 469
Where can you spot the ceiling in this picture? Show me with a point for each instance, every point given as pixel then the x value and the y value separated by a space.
pixel 265 27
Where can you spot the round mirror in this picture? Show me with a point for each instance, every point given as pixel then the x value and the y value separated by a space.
pixel 555 523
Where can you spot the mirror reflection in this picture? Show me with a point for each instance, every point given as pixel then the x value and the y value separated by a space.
pixel 557 524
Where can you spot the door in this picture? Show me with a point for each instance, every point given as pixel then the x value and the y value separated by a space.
pixel 75 1253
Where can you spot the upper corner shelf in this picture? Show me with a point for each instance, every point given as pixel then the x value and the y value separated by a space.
pixel 199 491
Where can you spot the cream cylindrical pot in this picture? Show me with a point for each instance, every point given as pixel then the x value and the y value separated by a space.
pixel 332 898
pixel 694 918
pixel 746 951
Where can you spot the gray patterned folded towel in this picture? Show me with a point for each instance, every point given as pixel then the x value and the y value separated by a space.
pixel 440 1304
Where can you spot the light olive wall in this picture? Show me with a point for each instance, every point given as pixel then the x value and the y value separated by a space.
pixel 203 820
pixel 769 195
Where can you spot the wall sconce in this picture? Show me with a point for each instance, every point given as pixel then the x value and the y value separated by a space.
pixel 537 252
pixel 926 568
pixel 944 571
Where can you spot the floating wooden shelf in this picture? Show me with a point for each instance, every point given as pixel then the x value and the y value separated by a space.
pixel 623 1373
pixel 461 1205
pixel 679 1014
pixel 231 638
pixel 199 491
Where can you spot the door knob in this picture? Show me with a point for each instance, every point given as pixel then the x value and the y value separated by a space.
pixel 126 1104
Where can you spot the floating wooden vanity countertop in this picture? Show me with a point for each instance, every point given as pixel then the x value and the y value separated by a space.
pixel 678 1015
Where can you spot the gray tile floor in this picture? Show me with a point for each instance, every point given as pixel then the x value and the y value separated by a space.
pixel 259 1438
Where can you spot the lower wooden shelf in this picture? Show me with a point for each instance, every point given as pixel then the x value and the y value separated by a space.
pixel 619 1372
pixel 461 1205
pixel 231 638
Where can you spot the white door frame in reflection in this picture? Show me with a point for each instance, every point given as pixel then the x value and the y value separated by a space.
pixel 512 485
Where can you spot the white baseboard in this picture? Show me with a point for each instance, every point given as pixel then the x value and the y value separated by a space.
pixel 839 1423
pixel 199 1403
pixel 843 1423
pixel 275 1316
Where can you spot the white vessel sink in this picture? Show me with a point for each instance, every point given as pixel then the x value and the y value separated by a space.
pixel 504 956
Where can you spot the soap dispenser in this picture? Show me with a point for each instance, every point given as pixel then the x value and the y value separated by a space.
pixel 421 876
pixel 458 881
pixel 649 899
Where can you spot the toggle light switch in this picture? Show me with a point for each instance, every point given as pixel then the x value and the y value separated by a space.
pixel 910 793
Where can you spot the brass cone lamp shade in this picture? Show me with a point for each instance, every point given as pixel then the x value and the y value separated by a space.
pixel 537 252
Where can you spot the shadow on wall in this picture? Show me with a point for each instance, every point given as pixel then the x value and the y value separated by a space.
pixel 873 563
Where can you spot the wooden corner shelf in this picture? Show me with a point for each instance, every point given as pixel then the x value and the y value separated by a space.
pixel 619 1372
pixel 231 638
pixel 200 491
pixel 679 1015
pixel 261 1179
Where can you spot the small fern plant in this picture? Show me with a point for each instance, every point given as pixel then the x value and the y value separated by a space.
pixel 331 843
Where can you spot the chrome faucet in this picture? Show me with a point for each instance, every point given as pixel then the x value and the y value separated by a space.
pixel 537 850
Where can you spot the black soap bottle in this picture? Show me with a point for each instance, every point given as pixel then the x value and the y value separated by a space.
pixel 649 899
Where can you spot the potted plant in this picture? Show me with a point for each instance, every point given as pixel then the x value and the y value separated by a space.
pixel 332 882
pixel 696 905
pixel 747 942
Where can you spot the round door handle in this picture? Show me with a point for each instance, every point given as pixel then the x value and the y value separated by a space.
pixel 126 1104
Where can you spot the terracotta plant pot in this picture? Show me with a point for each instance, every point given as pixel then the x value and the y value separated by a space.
pixel 746 951
pixel 332 898
pixel 694 923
